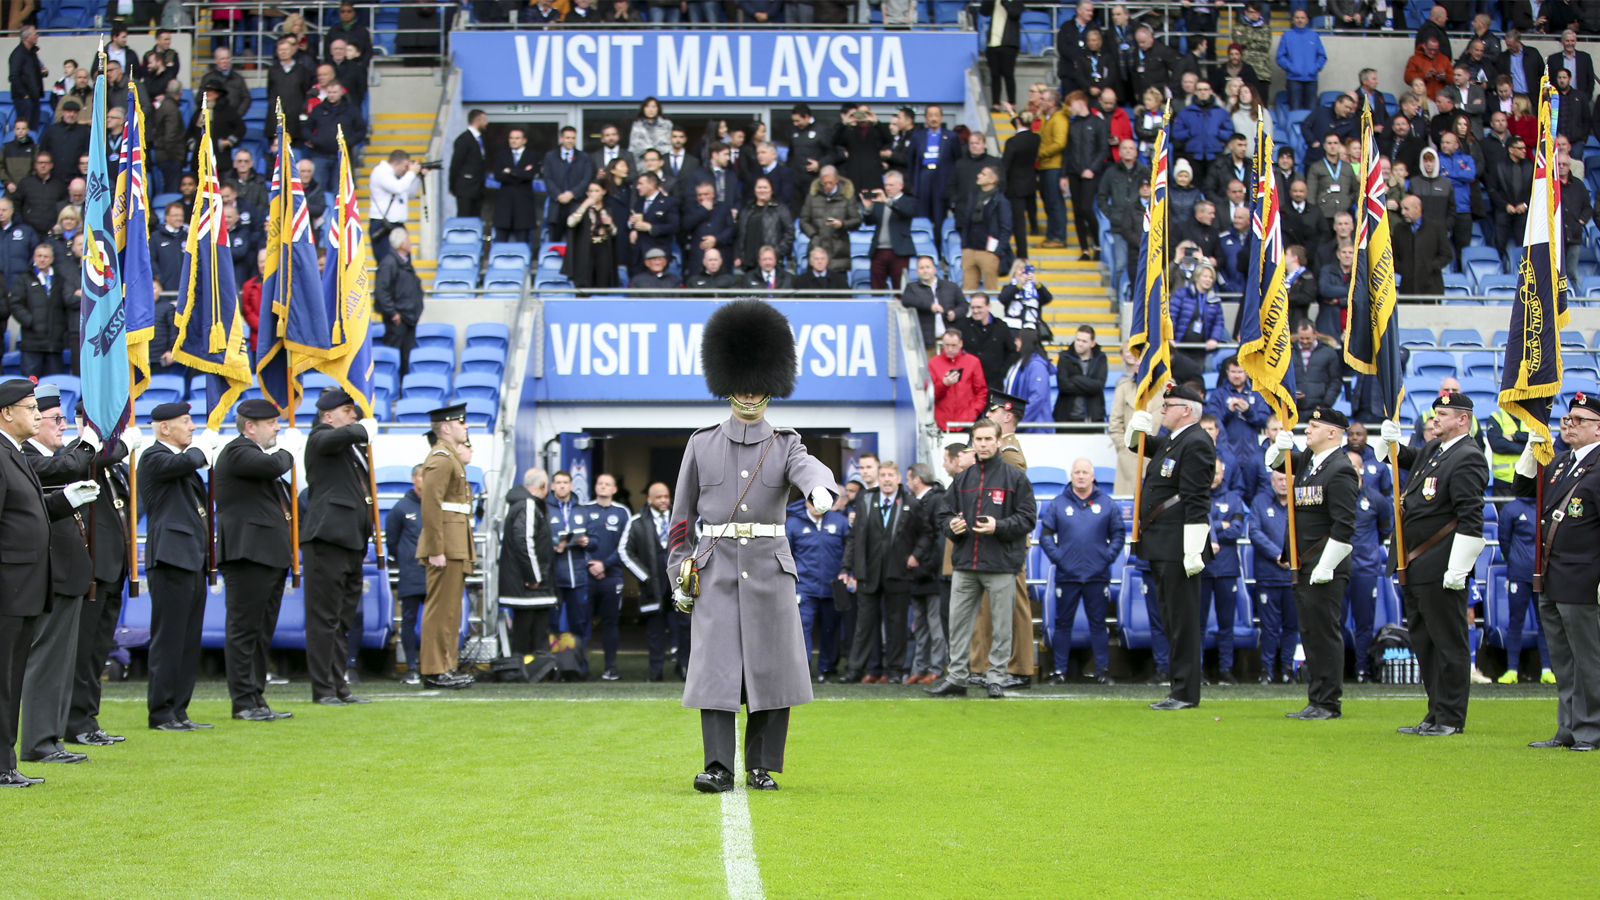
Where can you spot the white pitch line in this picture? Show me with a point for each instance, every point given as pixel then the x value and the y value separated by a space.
pixel 1015 697
pixel 738 842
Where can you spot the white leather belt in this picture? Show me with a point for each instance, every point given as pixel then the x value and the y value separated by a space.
pixel 464 508
pixel 742 530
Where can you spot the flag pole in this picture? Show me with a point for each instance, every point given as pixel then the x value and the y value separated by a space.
pixel 1399 533
pixel 133 518
pixel 294 474
pixel 1138 490
pixel 1538 531
pixel 1292 539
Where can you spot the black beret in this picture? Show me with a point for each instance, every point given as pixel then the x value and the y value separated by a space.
pixel 1453 400
pixel 1183 392
pixel 14 390
pixel 1581 400
pixel 49 396
pixel 1330 416
pixel 70 104
pixel 1002 400
pixel 169 411
pixel 447 413
pixel 333 398
pixel 257 408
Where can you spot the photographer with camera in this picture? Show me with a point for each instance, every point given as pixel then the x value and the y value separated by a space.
pixel 392 184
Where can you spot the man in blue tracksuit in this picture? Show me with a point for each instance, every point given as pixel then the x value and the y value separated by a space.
pixel 1081 532
pixel 1234 479
pixel 1219 580
pixel 1241 413
pixel 608 528
pixel 1374 524
pixel 1517 521
pixel 1375 472
pixel 816 538
pixel 1280 622
pixel 401 529
pixel 569 528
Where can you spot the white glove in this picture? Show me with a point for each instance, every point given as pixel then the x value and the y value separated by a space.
pixel 132 439
pixel 1527 464
pixel 1139 421
pixel 1280 445
pixel 1464 551
pixel 1388 434
pixel 822 498
pixel 1332 555
pixel 206 443
pixel 1195 537
pixel 89 436
pixel 371 425
pixel 81 492
pixel 684 602
pixel 292 440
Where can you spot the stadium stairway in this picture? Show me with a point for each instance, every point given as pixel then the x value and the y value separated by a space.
pixel 1080 292
pixel 393 131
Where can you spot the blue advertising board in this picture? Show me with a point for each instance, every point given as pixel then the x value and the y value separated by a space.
pixel 753 66
pixel 598 350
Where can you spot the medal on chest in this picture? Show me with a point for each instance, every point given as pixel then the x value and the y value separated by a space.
pixel 1168 465
pixel 1308 496
pixel 1430 487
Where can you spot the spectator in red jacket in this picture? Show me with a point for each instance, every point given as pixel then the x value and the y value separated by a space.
pixel 250 300
pixel 959 388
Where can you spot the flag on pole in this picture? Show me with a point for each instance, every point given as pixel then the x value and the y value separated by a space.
pixel 210 327
pixel 133 244
pixel 1264 344
pixel 1151 334
pixel 1372 323
pixel 1532 376
pixel 103 350
pixel 289 281
pixel 348 291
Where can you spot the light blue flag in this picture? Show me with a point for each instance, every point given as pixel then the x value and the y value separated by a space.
pixel 103 352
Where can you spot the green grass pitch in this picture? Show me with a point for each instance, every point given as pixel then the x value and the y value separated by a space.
pixel 584 791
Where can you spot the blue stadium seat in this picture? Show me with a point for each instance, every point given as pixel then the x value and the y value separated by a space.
pixel 1481 364
pixel 414 409
pixel 436 334
pixel 470 385
pixel 1434 363
pixel 386 361
pixel 1461 337
pixel 1416 337
pixel 306 413
pixel 1484 392
pixel 488 334
pixel 423 386
pixel 316 382
pixel 482 413
pixel 463 230
pixel 512 252
pixel 394 479
pixel 434 360
pixel 1578 363
pixel 1498 286
pixel 453 288
pixel 1131 612
pixel 165 389
pixel 489 360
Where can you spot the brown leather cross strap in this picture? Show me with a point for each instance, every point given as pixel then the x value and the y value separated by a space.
pixel 1427 545
pixel 1557 516
pixel 1166 504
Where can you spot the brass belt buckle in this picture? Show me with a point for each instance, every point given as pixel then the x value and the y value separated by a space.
pixel 743 530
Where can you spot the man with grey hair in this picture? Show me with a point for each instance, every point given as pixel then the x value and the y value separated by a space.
pixel 397 296
pixel 930 590
pixel 829 213
pixel 526 561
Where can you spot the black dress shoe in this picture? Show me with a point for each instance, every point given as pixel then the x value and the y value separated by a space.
pixel 15 779
pixel 996 691
pixel 760 780
pixel 976 679
pixel 258 714
pixel 1439 730
pixel 60 756
pixel 1056 678
pixel 1582 746
pixel 946 688
pixel 656 676
pixel 1413 729
pixel 1551 744
pixel 1104 678
pixel 278 715
pixel 1172 703
pixel 715 780
pixel 1315 712
pixel 1017 682
pixel 1226 677
pixel 193 724
pixel 174 725
pixel 850 678
pixel 443 682
pixel 330 701
pixel 352 699
pixel 93 739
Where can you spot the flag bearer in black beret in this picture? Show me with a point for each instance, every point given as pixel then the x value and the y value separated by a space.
pixel 25 582
pixel 747 648
pixel 253 551
pixel 1569 605
pixel 177 535
pixel 335 526
pixel 1441 517
pixel 445 546
pixel 1177 542
pixel 1325 491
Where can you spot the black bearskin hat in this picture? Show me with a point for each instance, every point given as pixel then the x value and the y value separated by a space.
pixel 748 348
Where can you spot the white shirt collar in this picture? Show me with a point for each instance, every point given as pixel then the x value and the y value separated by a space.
pixel 1450 443
pixel 1579 453
pixel 13 440
pixel 40 447
pixel 1182 430
pixel 173 447
pixel 1320 458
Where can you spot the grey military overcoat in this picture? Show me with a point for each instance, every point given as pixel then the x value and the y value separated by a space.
pixel 746 621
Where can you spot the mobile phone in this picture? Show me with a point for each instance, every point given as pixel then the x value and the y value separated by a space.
pixel 958 373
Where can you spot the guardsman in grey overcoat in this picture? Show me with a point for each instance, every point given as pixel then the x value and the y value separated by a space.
pixel 747 645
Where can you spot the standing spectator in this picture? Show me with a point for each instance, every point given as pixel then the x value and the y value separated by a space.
pixel 1316 370
pixel 1027 382
pixel 959 387
pixel 933 157
pixel 650 129
pixel 860 138
pixel 781 177
pixel 1154 64
pixel 964 177
pixel 1577 122
pixel 653 220
pixel 885 547
pixel 938 302
pixel 350 68
pixel 1234 68
pixel 166 246
pixel 17 240
pixel 1095 71
pixel 162 65
pixel 350 29
pixel 988 338
pixel 1578 64
pixel 1330 182
pixel 1421 248
pixel 706 225
pixel 248 185
pixel 1333 290
pixel 322 131
pixel 1339 119
pixel 818 275
pixel 829 213
pixel 611 148
pixel 1081 380
pixel 1253 33
pixel 1517 534
pixel 1523 66
pixel 1303 223
pixel 1001 46
pixel 165 136
pixel 1072 42
pixel 27 74
pixel 1081 532
pixel 1301 57
pixel 1469 98
pixel 1052 143
pixel 1118 194
pixel 16 156
pixel 765 223
pixel 397 296
pixel 1280 621
pixel 1197 314
pixel 931 653
pixel 1202 130
pixel 1219 580
pixel 469 165
pixel 232 87
pixel 40 302
pixel 391 186
pixel 1432 65
pixel 1239 409
pixel 1022 297
pixel 566 173
pixel 289 82
pixel 890 212
pixel 66 138
pixel 1577 211
pixel 987 233
pixel 718 172
pixel 1233 266
pixel 810 148
pixel 1081 163
pixel 591 260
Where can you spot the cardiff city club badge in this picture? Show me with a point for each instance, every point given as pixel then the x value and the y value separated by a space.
pixel 1430 487
pixel 1167 466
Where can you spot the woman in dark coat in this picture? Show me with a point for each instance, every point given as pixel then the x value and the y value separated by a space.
pixel 1001 55
pixel 1022 180
pixel 762 223
pixel 619 203
pixel 1081 165
pixel 591 260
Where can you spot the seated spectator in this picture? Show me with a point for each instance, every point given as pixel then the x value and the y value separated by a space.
pixel 591 259
pixel 654 275
pixel 1234 166
pixel 766 274
pixel 1236 199
pixel 1200 229
pixel 711 275
pixel 1182 195
pixel 765 223
pixel 1022 296
pixel 1339 119
pixel 1333 290
pixel 1316 369
pixel 705 224
pixel 819 275
pixel 939 303
pixel 1301 282
pixel 1081 380
pixel 959 387
pixel 830 212
pixel 1233 266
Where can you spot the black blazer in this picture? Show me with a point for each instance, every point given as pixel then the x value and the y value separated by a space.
pixel 1181 467
pixel 876 556
pixel 338 508
pixel 1583 74
pixel 598 158
pixel 25 517
pixel 832 280
pixel 732 189
pixel 781 278
pixel 1437 491
pixel 900 213
pixel 1572 568
pixel 1532 65
pixel 1421 257
pixel 111 518
pixel 467 168
pixel 696 222
pixel 664 221
pixel 71 570
pixel 644 556
pixel 1325 507
pixel 1319 384
pixel 252 504
pixel 174 500
pixel 1018 159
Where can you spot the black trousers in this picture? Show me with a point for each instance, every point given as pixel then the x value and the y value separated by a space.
pixel 1437 620
pixel 177 611
pixel 765 733
pixel 254 594
pixel 16 635
pixel 1022 214
pixel 97 632
pixel 1179 597
pixel 402 337
pixel 470 206
pixel 1083 208
pixel 884 610
pixel 333 594
pixel 1002 73
pixel 530 630
pixel 1321 608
